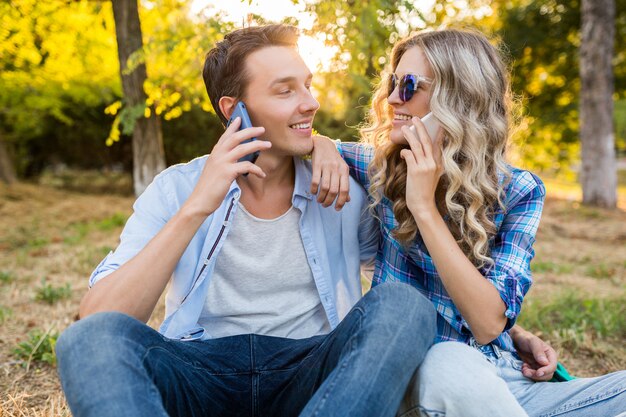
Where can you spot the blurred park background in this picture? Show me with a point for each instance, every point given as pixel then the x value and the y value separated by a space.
pixel 98 96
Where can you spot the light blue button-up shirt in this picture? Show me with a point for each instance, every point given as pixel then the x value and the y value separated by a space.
pixel 335 244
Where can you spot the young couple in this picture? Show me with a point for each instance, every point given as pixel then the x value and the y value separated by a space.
pixel 264 314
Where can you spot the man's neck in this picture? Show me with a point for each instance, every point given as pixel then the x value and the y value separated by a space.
pixel 269 197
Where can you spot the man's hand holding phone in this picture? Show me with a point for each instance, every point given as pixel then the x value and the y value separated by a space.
pixel 224 165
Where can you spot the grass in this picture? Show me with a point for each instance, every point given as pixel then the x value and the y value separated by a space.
pixel 39 346
pixel 570 314
pixel 551 266
pixel 79 231
pixel 51 294
pixel 579 279
pixel 5 313
pixel 601 271
pixel 6 277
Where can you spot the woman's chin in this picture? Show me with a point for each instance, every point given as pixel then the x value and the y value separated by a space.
pixel 397 137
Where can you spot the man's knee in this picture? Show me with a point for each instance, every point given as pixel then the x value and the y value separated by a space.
pixel 397 301
pixel 94 331
pixel 403 308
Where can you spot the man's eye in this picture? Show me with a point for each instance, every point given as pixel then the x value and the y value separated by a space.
pixel 282 92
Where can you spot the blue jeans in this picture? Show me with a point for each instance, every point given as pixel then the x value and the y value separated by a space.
pixel 459 380
pixel 113 365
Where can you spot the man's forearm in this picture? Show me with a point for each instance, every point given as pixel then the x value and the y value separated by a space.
pixel 135 288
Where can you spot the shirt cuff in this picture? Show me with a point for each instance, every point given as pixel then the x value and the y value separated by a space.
pixel 101 271
pixel 338 146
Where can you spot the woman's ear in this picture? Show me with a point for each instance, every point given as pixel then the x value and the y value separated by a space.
pixel 227 106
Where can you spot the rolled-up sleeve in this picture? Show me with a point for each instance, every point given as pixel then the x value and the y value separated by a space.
pixel 512 249
pixel 358 157
pixel 150 213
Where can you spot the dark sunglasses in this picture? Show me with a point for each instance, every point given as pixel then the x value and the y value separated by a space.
pixel 407 85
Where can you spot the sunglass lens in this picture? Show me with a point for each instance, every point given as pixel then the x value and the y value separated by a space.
pixel 407 87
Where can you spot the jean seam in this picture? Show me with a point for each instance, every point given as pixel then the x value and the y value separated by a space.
pixel 297 365
pixel 198 368
pixel 567 407
pixel 342 368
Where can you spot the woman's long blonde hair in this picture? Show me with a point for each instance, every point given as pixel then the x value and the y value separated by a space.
pixel 471 98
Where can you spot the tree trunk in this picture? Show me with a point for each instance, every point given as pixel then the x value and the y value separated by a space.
pixel 599 169
pixel 7 172
pixel 148 155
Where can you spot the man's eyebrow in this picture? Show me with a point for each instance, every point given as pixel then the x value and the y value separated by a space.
pixel 288 80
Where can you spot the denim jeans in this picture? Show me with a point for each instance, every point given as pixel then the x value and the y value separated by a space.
pixel 113 365
pixel 459 380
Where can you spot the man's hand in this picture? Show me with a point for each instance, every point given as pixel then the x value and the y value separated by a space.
pixel 331 177
pixel 222 167
pixel 539 358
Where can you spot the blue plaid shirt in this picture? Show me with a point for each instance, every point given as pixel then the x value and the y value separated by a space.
pixel 511 250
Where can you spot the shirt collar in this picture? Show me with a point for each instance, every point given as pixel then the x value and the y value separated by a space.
pixel 302 186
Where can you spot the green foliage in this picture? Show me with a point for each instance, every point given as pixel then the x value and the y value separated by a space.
pixel 549 266
pixel 53 55
pixel 5 313
pixel 193 133
pixel 78 233
pixel 620 128
pixel 38 347
pixel 601 271
pixel 51 294
pixel 128 117
pixel 6 277
pixel 59 72
pixel 543 38
pixel 570 317
pixel 113 222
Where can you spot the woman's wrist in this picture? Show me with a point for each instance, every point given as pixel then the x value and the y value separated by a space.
pixel 425 214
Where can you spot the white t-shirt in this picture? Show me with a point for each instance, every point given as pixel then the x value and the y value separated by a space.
pixel 262 282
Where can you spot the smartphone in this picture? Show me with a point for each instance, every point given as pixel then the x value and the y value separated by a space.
pixel 240 111
pixel 432 125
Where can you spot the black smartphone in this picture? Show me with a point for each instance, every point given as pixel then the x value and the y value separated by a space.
pixel 240 111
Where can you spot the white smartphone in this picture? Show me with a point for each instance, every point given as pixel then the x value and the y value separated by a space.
pixel 431 124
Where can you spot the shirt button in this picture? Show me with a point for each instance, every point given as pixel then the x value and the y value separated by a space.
pixel 236 194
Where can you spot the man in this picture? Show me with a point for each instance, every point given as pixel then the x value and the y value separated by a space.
pixel 263 313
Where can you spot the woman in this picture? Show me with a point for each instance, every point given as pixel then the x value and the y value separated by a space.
pixel 459 223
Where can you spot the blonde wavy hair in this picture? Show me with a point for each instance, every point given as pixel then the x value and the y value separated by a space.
pixel 471 98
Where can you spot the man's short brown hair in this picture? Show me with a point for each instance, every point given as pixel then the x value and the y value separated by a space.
pixel 224 67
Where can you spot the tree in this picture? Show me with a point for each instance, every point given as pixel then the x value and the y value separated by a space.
pixel 57 62
pixel 598 175
pixel 7 172
pixel 148 155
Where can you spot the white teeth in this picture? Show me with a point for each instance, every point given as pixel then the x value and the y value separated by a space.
pixel 401 117
pixel 301 126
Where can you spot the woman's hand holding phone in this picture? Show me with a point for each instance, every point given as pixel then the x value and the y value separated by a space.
pixel 223 166
pixel 424 167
